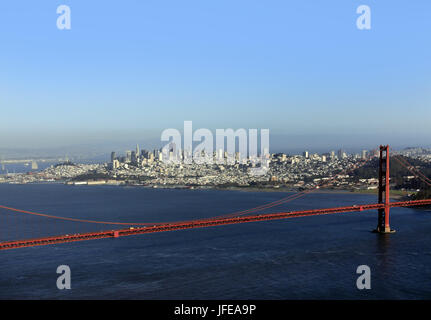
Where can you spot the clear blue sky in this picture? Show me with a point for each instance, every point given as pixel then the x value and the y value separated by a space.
pixel 129 69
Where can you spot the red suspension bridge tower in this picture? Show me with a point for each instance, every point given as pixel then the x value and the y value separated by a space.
pixel 383 218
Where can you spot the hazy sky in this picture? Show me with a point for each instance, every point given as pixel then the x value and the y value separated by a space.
pixel 129 69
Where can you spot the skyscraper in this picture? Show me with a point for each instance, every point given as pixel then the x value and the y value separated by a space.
pixel 342 154
pixel 128 156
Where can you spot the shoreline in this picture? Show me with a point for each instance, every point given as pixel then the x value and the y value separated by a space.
pixel 395 194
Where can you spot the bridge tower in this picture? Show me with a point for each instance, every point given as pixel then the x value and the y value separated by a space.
pixel 383 219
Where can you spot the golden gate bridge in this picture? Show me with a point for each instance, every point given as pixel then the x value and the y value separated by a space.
pixel 383 207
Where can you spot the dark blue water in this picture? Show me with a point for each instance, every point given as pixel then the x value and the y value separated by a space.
pixel 301 258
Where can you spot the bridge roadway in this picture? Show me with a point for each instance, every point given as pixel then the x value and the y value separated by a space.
pixel 202 223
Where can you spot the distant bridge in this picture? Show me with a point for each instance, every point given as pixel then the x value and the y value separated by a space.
pixel 14 161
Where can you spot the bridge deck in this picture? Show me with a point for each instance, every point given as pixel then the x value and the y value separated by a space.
pixel 202 223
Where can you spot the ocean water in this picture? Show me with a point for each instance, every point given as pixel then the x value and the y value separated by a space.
pixel 302 258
